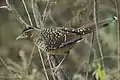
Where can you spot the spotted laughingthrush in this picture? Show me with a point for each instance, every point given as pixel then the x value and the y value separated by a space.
pixel 59 40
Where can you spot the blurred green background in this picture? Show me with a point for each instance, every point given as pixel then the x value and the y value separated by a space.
pixel 61 11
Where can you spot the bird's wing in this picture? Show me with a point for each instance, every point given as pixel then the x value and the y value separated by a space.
pixel 55 38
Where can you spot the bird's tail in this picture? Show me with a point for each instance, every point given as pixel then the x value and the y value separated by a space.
pixel 88 28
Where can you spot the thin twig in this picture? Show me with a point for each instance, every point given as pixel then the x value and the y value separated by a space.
pixel 118 34
pixel 60 63
pixel 45 14
pixel 40 54
pixel 27 13
pixel 97 60
pixel 51 18
pixel 15 67
pixel 37 14
pixel 90 50
pixel 50 64
pixel 97 34
pixel 60 74
pixel 16 14
pixel 6 65
pixel 6 77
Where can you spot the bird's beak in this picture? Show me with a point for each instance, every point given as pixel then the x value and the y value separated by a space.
pixel 20 37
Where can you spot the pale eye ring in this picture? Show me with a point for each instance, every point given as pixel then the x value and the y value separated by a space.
pixel 26 33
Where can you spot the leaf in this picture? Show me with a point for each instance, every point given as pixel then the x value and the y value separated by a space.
pixel 99 73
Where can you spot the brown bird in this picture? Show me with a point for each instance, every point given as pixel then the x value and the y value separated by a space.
pixel 59 41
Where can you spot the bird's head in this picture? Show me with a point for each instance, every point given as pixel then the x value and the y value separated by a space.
pixel 28 34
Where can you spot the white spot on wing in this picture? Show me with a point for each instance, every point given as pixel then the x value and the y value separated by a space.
pixel 83 33
pixel 81 30
pixel 73 30
pixel 84 29
pixel 65 38
pixel 65 28
pixel 79 41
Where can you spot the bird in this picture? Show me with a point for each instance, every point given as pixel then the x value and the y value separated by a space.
pixel 60 40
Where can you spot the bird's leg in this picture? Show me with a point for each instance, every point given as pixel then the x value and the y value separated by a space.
pixel 65 56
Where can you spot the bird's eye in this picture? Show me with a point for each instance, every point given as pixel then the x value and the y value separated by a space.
pixel 25 33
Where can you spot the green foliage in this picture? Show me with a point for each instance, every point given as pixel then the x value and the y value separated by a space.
pixel 99 73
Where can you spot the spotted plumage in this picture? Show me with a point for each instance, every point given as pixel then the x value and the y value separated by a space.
pixel 53 39
pixel 59 40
